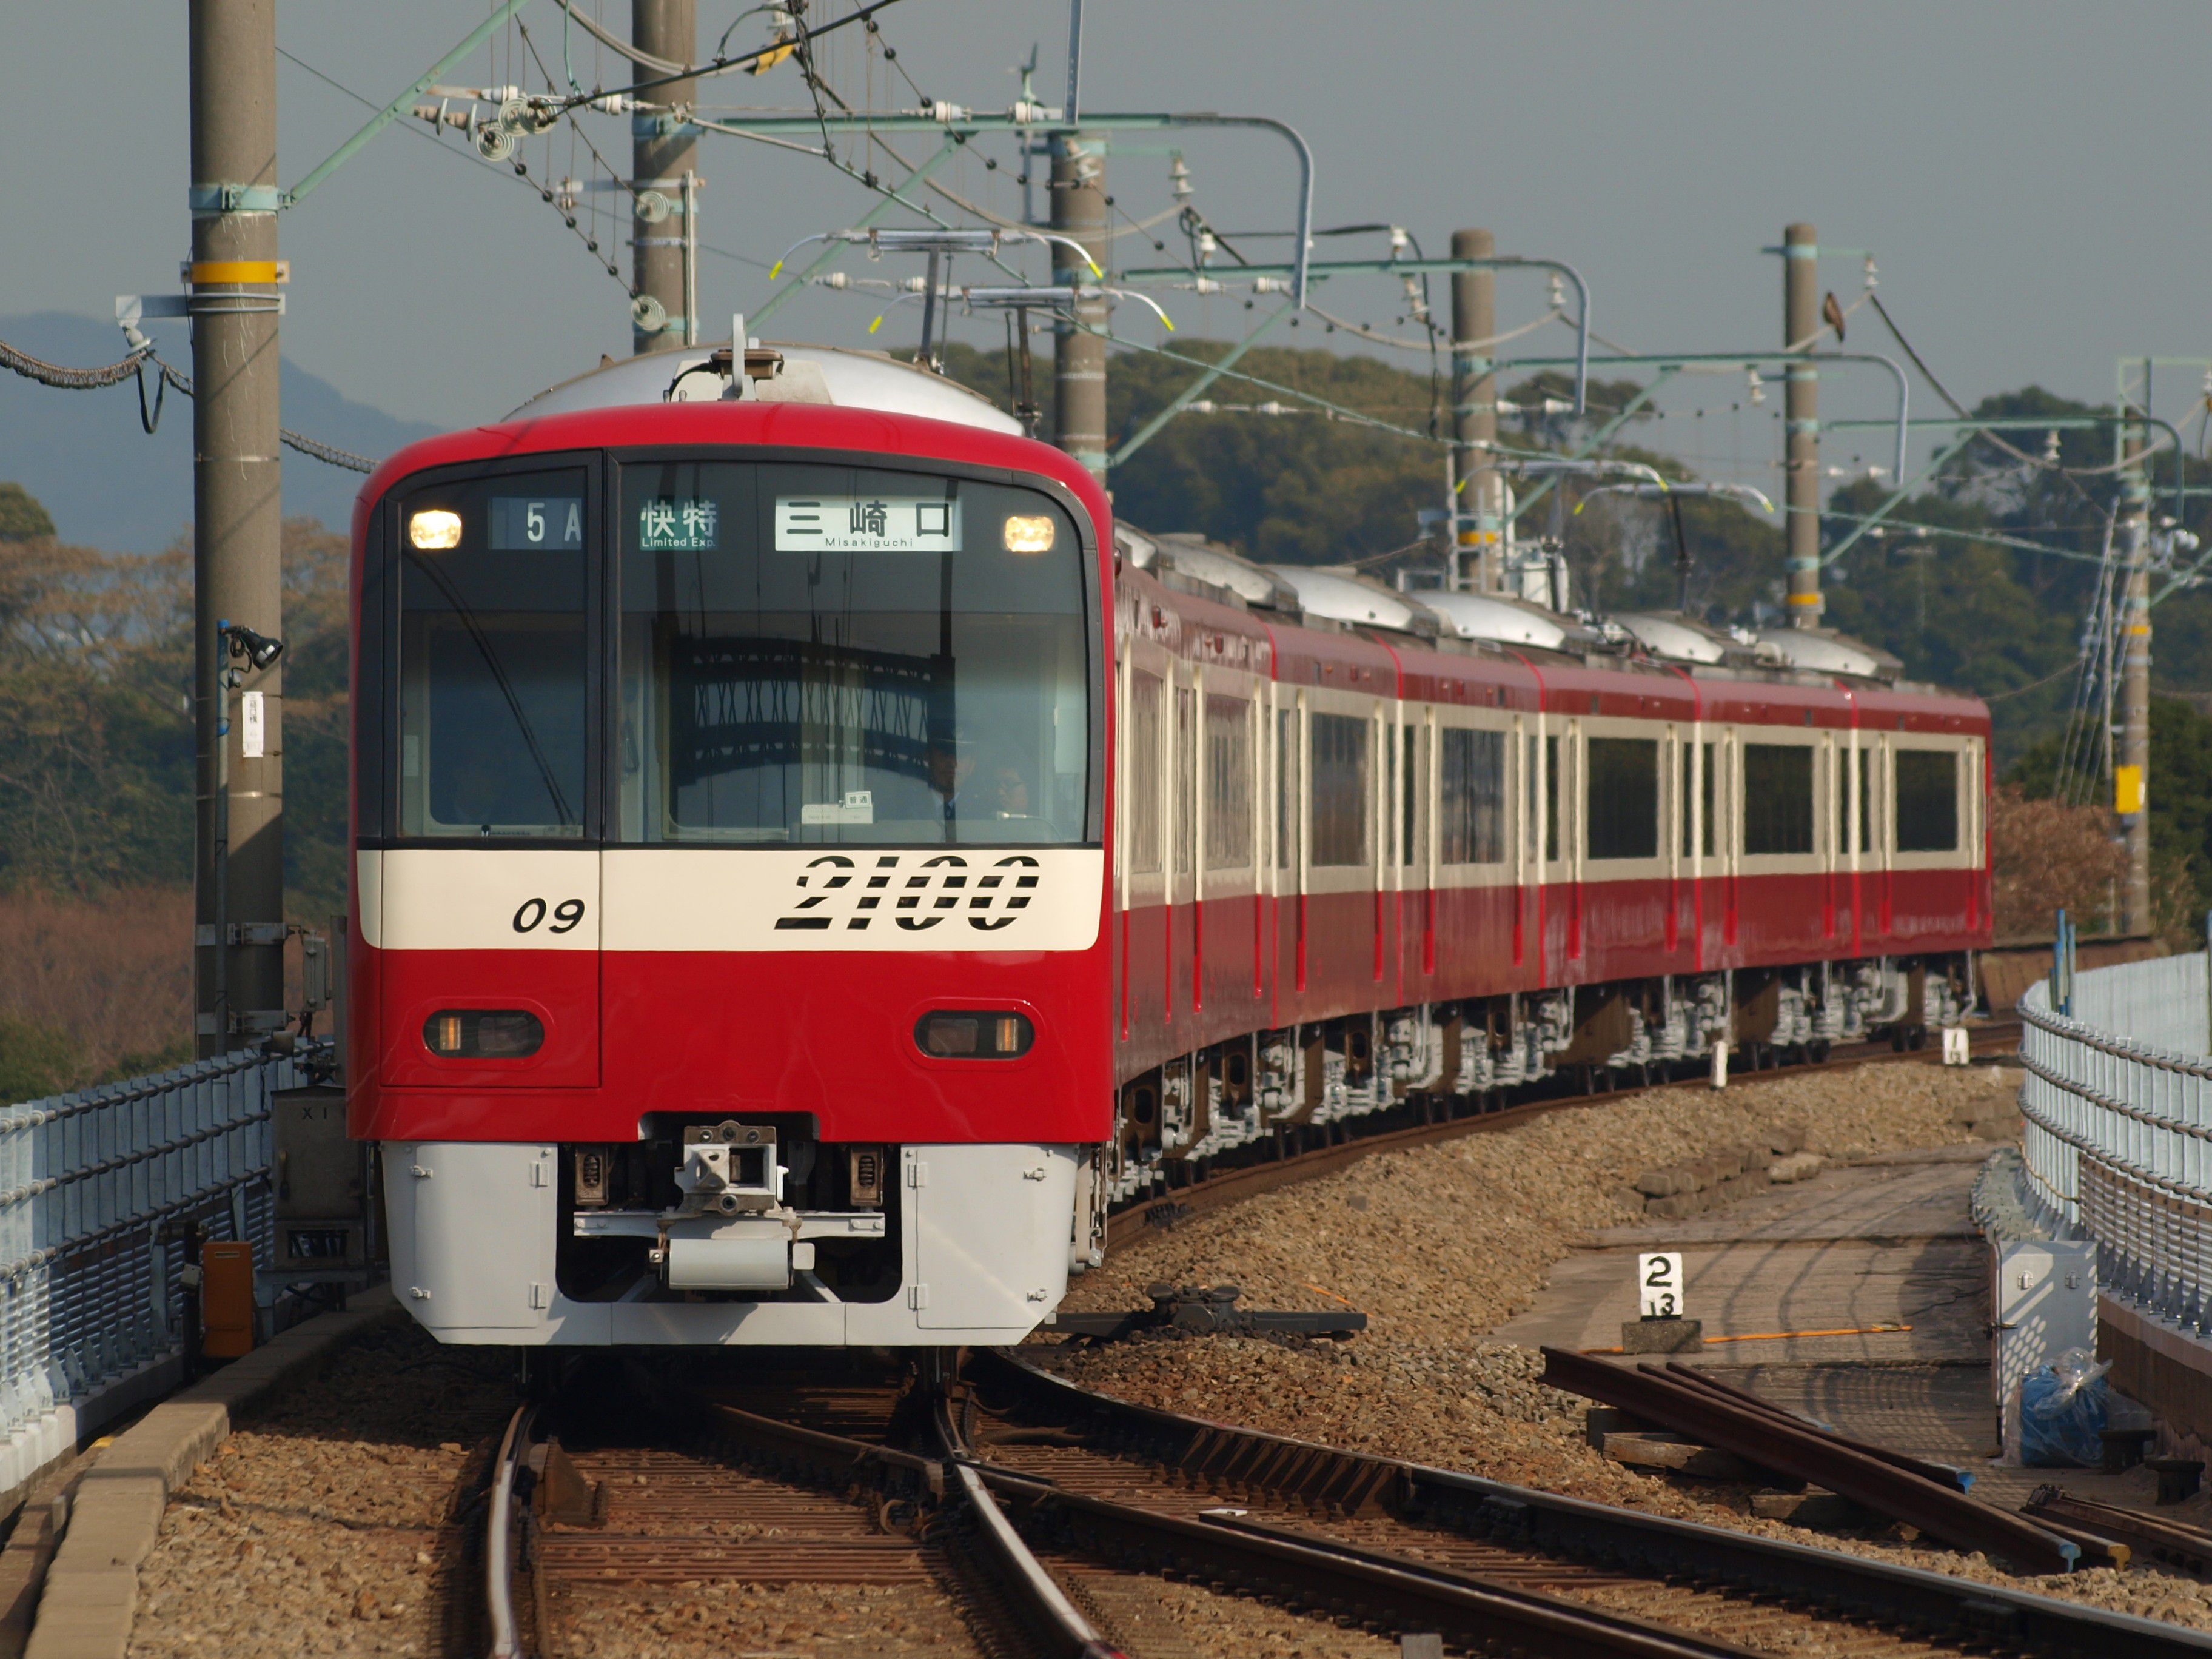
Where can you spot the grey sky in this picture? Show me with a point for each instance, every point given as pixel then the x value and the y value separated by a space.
pixel 2029 175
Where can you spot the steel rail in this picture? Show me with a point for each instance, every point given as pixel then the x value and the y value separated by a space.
pixel 1220 1186
pixel 1034 1599
pixel 1572 1528
pixel 1467 1609
pixel 499 1576
pixel 1052 1618
pixel 1802 1453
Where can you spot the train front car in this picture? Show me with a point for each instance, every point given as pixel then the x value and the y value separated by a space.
pixel 729 802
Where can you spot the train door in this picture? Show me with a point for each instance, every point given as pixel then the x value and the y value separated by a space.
pixel 1883 833
pixel 1851 818
pixel 1571 812
pixel 1182 940
pixel 1144 836
pixel 1228 924
pixel 1827 816
pixel 1431 802
pixel 1288 905
pixel 1382 742
pixel 1521 794
pixel 1700 833
pixel 1674 817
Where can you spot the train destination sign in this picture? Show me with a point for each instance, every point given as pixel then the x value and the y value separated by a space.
pixel 867 524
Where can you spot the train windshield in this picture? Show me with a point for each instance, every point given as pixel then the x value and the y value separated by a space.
pixel 831 654
pixel 493 663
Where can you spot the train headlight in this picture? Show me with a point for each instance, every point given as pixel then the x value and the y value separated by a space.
pixel 434 528
pixel 973 1034
pixel 484 1034
pixel 1028 532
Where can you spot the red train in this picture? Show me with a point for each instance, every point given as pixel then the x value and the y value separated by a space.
pixel 810 865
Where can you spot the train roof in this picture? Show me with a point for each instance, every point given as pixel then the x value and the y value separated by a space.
pixel 1486 648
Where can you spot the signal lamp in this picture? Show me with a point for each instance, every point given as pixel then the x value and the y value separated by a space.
pixel 1028 533
pixel 974 1033
pixel 434 528
pixel 483 1034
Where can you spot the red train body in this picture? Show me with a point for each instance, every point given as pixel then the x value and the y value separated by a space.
pixel 832 952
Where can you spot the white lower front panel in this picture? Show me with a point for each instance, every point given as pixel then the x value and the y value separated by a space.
pixel 984 1247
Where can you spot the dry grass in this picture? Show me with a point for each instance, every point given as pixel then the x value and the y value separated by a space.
pixel 112 972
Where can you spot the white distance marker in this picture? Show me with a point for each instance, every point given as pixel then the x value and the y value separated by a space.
pixel 1659 1285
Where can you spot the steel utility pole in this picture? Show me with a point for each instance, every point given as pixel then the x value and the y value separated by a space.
pixel 1078 360
pixel 664 158
pixel 1479 514
pixel 1801 322
pixel 2132 768
pixel 237 875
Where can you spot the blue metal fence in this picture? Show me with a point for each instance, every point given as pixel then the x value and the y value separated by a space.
pixel 2118 1137
pixel 89 1292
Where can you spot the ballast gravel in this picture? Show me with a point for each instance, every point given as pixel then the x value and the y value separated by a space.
pixel 1443 1242
pixel 325 1524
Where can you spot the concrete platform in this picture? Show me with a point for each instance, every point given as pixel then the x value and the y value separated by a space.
pixel 1889 1241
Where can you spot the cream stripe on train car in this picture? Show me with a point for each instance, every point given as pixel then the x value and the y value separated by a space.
pixel 854 898
pixel 480 898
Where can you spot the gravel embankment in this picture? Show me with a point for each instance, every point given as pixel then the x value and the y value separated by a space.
pixel 1440 1244
pixel 324 1525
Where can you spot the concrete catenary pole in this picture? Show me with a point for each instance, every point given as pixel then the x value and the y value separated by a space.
pixel 1479 515
pixel 2131 768
pixel 1078 362
pixel 663 162
pixel 237 524
pixel 1800 323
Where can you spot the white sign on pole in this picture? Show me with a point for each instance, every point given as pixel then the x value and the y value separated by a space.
pixel 252 733
pixel 1659 1285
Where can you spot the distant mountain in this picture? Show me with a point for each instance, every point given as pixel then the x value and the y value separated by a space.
pixel 107 484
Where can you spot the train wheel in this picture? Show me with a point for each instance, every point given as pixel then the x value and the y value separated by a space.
pixel 1897 1039
pixel 1819 1050
pixel 1919 1039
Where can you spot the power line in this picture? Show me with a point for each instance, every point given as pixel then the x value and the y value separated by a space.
pixel 108 374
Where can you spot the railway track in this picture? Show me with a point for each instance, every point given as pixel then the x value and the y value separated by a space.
pixel 1028 1516
pixel 1056 1449
pixel 1300 1152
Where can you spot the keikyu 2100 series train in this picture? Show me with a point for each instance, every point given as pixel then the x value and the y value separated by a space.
pixel 810 865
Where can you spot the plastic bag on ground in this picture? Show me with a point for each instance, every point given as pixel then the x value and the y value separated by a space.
pixel 2063 1413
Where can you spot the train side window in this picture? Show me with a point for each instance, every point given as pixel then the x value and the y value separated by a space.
pixel 1142 791
pixel 1777 798
pixel 1869 772
pixel 1471 796
pixel 1926 800
pixel 1409 794
pixel 1622 798
pixel 1340 789
pixel 1228 783
pixel 1551 800
pixel 1288 796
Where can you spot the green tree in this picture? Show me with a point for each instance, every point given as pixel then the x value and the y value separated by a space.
pixel 22 518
